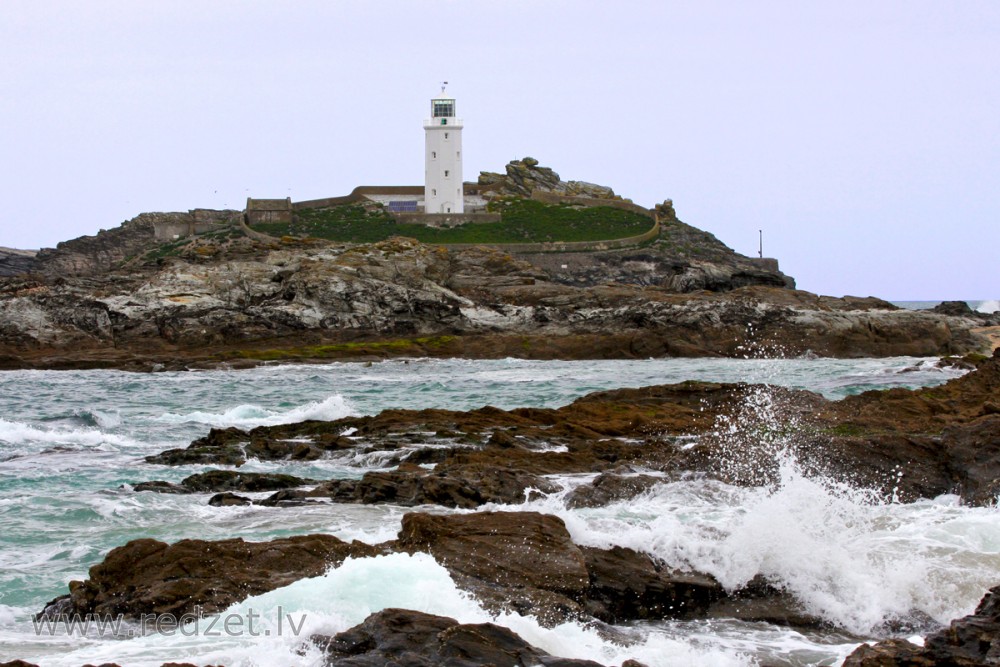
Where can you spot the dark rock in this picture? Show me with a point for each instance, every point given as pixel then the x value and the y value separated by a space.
pixel 220 447
pixel 16 262
pixel 232 446
pixel 159 486
pixel 59 607
pixel 761 602
pixel 455 486
pixel 537 549
pixel 416 639
pixel 972 641
pixel 954 308
pixel 147 576
pixel 287 498
pixel 228 500
pixel 610 487
pixel 229 480
pixel 541 572
pixel 626 585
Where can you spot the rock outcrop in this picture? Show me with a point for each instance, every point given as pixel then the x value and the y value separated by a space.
pixel 196 576
pixel 259 302
pixel 416 639
pixel 946 438
pixel 90 255
pixel 524 177
pixel 16 262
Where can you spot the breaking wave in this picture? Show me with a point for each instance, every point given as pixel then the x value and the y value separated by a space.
pixel 248 416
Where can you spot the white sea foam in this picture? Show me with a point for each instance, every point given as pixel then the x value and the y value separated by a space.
pixel 249 416
pixel 346 595
pixel 989 306
pixel 18 433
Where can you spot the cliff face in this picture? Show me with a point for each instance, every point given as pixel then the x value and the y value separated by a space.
pixel 14 262
pixel 102 252
pixel 403 297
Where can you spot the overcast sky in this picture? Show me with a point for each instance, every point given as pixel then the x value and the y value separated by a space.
pixel 862 137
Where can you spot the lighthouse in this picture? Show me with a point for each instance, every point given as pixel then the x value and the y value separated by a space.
pixel 443 158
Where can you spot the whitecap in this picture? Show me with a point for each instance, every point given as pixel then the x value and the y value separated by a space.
pixel 249 416
pixel 19 433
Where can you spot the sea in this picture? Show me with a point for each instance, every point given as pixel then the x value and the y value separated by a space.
pixel 72 445
pixel 982 305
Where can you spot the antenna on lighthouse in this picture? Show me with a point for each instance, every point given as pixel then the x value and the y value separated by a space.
pixel 443 84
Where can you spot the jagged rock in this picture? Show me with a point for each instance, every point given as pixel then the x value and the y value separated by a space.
pixel 944 439
pixel 416 639
pixel 610 487
pixel 148 576
pixel 537 549
pixel 16 262
pixel 428 301
pixel 227 480
pixel 627 585
pixel 972 641
pixel 454 486
pixel 523 177
pixel 956 308
pixel 89 255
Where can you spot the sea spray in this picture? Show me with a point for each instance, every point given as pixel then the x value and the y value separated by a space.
pixel 990 306
pixel 847 554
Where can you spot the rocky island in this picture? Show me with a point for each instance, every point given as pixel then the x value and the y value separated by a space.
pixel 570 271
pixel 236 295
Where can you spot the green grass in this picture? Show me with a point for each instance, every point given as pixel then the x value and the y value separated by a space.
pixel 524 221
pixel 351 223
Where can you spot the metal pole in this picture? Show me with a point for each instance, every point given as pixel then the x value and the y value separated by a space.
pixel 760 248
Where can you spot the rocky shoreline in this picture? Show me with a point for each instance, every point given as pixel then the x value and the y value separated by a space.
pixel 244 302
pixel 947 438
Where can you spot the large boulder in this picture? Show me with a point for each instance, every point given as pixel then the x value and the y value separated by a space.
pixel 147 576
pixel 537 549
pixel 416 639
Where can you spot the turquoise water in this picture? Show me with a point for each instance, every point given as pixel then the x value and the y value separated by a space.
pixel 72 444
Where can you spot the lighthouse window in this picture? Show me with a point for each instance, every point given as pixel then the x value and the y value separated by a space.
pixel 434 192
pixel 444 121
pixel 434 154
pixel 445 135
pixel 446 173
pixel 443 108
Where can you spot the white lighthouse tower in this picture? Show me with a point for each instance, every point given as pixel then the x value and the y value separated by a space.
pixel 443 158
